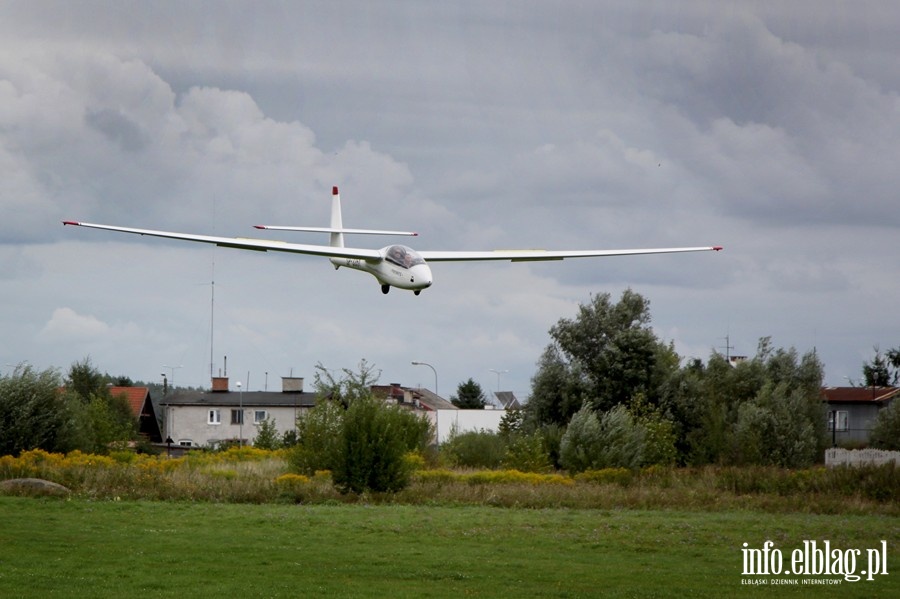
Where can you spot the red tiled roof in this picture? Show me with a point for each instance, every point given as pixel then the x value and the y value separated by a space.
pixel 135 396
pixel 858 394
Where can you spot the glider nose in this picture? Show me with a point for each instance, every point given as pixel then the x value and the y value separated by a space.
pixel 421 274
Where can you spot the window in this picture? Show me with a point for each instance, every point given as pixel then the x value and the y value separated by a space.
pixel 259 416
pixel 214 417
pixel 842 423
pixel 237 416
pixel 185 443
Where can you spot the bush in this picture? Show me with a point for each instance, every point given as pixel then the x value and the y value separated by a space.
pixel 318 437
pixel 614 440
pixel 33 412
pixel 474 449
pixel 375 438
pixel 267 435
pixel 527 453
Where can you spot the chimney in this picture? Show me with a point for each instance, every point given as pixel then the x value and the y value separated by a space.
pixel 292 384
pixel 220 383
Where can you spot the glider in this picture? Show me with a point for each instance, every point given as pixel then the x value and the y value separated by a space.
pixel 394 265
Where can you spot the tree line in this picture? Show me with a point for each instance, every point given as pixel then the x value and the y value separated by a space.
pixel 607 392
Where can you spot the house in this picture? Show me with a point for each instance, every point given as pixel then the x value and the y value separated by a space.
pixel 141 405
pixel 206 418
pixel 852 411
pixel 428 405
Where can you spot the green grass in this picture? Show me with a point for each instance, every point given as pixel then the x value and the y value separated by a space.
pixel 89 548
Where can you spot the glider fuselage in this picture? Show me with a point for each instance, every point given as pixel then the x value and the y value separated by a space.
pixel 400 267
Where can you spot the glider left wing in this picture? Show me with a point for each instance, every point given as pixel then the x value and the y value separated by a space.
pixel 260 245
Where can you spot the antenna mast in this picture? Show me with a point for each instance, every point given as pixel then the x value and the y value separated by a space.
pixel 728 347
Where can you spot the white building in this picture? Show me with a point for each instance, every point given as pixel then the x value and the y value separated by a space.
pixel 205 418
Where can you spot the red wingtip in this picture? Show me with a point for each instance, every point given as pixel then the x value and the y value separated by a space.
pixel 71 222
pixel 718 248
pixel 259 226
pixel 334 190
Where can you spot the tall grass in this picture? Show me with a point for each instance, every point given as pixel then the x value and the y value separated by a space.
pixel 251 475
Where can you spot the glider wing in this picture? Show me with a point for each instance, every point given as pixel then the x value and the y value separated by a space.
pixel 260 245
pixel 538 255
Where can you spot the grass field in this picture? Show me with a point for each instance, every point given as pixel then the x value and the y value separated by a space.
pixel 106 548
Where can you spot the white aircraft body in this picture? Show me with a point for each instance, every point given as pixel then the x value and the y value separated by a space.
pixel 394 265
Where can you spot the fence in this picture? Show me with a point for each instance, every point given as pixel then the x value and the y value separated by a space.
pixel 859 457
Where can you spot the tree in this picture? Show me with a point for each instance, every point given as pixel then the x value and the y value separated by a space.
pixel 766 410
pixel 469 396
pixel 34 412
pixel 558 389
pixel 886 432
pixel 349 387
pixel 85 380
pixel 100 420
pixel 883 370
pixel 607 354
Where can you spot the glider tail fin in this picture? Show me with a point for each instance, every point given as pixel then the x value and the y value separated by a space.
pixel 337 224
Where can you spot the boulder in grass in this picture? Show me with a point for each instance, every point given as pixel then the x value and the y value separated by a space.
pixel 33 487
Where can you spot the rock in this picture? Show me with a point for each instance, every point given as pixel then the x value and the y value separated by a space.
pixel 33 487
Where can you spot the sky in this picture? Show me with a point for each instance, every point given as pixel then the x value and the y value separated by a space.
pixel 772 129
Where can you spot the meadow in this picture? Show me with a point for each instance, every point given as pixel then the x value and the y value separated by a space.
pixel 236 524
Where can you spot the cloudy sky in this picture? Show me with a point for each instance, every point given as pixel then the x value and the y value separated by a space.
pixel 772 130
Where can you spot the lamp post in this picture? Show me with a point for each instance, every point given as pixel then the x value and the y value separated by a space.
pixel 498 373
pixel 433 370
pixel 172 368
pixel 240 415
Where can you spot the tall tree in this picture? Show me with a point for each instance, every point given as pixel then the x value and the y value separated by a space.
pixel 607 354
pixel 469 396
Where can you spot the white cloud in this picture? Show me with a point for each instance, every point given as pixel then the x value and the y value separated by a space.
pixel 66 324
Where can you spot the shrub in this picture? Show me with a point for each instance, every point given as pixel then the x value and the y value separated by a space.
pixel 613 440
pixel 527 453
pixel 33 411
pixel 267 435
pixel 474 449
pixel 318 437
pixel 374 440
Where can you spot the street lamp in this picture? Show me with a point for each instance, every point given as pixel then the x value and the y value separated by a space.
pixel 172 368
pixel 240 415
pixel 498 373
pixel 433 370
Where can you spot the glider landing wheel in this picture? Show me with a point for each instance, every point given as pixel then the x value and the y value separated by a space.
pixel 385 289
pixel 417 291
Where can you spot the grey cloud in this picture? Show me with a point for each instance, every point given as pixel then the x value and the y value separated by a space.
pixel 118 128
